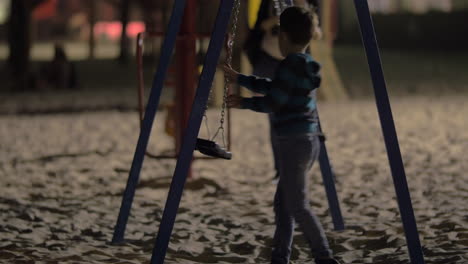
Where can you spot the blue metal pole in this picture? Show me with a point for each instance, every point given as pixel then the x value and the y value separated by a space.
pixel 191 133
pixel 150 113
pixel 389 132
pixel 329 183
pixel 328 179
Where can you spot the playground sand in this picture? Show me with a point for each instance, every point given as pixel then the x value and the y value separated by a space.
pixel 62 176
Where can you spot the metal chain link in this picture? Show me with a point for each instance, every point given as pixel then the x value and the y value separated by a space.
pixel 230 45
pixel 279 7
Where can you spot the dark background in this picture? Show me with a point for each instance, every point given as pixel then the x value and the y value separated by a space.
pixel 422 52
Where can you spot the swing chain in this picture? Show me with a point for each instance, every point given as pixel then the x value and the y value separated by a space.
pixel 230 45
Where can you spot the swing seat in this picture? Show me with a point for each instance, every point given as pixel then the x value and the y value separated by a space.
pixel 210 148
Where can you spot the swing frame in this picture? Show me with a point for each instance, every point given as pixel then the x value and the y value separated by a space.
pixel 140 40
pixel 196 116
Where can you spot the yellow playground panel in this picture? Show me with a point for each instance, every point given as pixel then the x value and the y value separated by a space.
pixel 332 85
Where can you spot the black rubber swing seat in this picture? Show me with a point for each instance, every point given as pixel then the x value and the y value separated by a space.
pixel 212 149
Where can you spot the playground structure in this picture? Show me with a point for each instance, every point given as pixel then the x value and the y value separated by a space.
pixel 321 49
pixel 196 115
pixel 186 77
pixel 184 91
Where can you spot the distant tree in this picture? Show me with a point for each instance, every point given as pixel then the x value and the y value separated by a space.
pixel 19 42
pixel 124 41
pixel 152 13
pixel 153 16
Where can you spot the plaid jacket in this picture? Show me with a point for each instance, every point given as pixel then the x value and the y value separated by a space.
pixel 290 95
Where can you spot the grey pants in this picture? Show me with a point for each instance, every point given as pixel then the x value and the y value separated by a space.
pixel 296 157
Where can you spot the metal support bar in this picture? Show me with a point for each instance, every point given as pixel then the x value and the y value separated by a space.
pixel 389 132
pixel 155 94
pixel 186 73
pixel 141 89
pixel 329 182
pixel 191 133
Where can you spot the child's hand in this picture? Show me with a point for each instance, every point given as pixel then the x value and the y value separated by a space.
pixel 230 74
pixel 234 101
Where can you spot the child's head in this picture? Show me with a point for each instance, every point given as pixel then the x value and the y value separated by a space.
pixel 297 27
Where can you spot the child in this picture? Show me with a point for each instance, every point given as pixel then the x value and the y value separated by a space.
pixel 290 97
pixel 262 49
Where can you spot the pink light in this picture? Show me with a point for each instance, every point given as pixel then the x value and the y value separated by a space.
pixel 133 28
pixel 113 29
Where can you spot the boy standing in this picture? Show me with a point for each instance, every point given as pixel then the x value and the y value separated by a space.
pixel 291 100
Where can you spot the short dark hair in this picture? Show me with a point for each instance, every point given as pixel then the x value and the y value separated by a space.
pixel 298 24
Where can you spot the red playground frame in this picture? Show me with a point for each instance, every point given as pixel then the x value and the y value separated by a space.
pixel 185 88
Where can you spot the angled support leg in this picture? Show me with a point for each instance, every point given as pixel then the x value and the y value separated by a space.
pixel 191 133
pixel 329 182
pixel 389 132
pixel 150 113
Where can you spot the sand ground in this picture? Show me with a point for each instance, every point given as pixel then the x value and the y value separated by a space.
pixel 62 176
